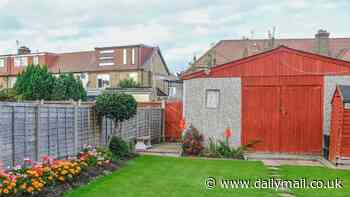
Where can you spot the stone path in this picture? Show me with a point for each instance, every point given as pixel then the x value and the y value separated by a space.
pixel 274 173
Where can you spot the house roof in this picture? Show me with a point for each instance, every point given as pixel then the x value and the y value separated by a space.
pixel 345 93
pixel 208 72
pixel 229 50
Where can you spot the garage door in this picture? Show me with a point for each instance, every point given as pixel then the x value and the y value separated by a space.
pixel 283 118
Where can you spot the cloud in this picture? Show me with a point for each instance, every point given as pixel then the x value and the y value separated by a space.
pixel 182 28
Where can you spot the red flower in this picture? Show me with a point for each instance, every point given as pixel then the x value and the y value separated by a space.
pixel 228 133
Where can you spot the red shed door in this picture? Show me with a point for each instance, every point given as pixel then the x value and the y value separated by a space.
pixel 301 120
pixel 261 117
pixel 286 119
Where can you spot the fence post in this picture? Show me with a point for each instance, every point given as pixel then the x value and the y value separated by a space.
pixel 13 136
pixel 163 120
pixel 37 130
pixel 75 128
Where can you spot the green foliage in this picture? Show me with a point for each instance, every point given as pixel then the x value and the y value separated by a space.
pixel 128 83
pixel 192 142
pixel 35 83
pixel 68 87
pixel 222 149
pixel 116 106
pixel 8 95
pixel 119 148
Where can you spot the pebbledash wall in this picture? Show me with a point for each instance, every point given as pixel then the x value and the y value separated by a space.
pixel 213 122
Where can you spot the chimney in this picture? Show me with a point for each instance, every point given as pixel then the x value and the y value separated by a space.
pixel 23 50
pixel 322 42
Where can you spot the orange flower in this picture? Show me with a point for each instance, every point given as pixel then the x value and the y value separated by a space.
pixel 30 189
pixel 5 191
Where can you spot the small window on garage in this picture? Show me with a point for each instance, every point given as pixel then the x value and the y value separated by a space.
pixel 212 98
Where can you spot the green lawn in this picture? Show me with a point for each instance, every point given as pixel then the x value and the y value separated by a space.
pixel 152 176
pixel 319 173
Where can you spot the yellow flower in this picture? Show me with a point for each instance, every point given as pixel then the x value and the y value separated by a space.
pixel 61 178
pixel 23 186
pixel 5 191
pixel 30 189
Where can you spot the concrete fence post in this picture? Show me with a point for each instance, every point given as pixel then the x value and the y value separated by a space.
pixel 75 129
pixel 162 111
pixel 37 130
pixel 13 136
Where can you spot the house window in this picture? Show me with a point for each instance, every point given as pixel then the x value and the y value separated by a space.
pixel 133 76
pixel 103 81
pixel 106 58
pixel 106 64
pixel 2 62
pixel 133 56
pixel 125 56
pixel 36 60
pixel 21 61
pixel 106 51
pixel 172 91
pixel 212 98
pixel 83 77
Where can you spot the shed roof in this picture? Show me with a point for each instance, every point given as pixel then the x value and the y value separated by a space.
pixel 345 93
pixel 316 65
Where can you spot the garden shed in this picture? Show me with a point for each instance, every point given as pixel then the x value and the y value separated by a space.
pixel 280 98
pixel 339 150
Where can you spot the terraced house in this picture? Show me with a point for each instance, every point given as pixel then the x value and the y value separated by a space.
pixel 103 67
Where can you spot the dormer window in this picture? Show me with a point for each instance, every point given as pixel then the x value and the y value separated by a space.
pixel 125 56
pixel 21 61
pixel 106 51
pixel 35 60
pixel 2 62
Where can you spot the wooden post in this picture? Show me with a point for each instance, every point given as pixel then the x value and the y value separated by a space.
pixel 75 128
pixel 163 120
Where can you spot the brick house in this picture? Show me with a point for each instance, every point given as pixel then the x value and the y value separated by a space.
pixel 229 50
pixel 98 69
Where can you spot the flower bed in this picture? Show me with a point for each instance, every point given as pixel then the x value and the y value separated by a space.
pixel 52 177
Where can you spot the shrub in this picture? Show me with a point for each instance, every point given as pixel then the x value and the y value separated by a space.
pixel 192 142
pixel 35 83
pixel 119 148
pixel 128 83
pixel 222 149
pixel 68 87
pixel 116 106
pixel 8 95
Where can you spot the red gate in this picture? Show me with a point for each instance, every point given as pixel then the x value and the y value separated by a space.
pixel 173 118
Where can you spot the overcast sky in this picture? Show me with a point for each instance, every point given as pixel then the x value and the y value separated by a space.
pixel 181 28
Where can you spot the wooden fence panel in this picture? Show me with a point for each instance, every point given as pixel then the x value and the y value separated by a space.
pixel 33 130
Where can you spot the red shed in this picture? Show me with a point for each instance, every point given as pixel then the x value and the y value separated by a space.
pixel 282 99
pixel 339 149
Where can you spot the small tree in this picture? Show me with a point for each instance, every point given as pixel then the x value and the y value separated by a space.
pixel 68 87
pixel 35 83
pixel 128 83
pixel 116 106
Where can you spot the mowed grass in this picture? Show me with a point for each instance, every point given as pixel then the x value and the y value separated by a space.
pixel 152 176
pixel 317 173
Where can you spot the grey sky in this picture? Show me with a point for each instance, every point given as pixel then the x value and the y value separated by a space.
pixel 180 28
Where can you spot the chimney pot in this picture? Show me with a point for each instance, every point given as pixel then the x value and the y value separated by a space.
pixel 322 34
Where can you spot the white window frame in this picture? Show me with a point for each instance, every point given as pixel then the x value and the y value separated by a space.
pixel 133 56
pixel 21 61
pixel 211 94
pixel 134 76
pixel 2 62
pixel 106 79
pixel 106 58
pixel 107 51
pixel 106 64
pixel 35 60
pixel 172 91
pixel 125 56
